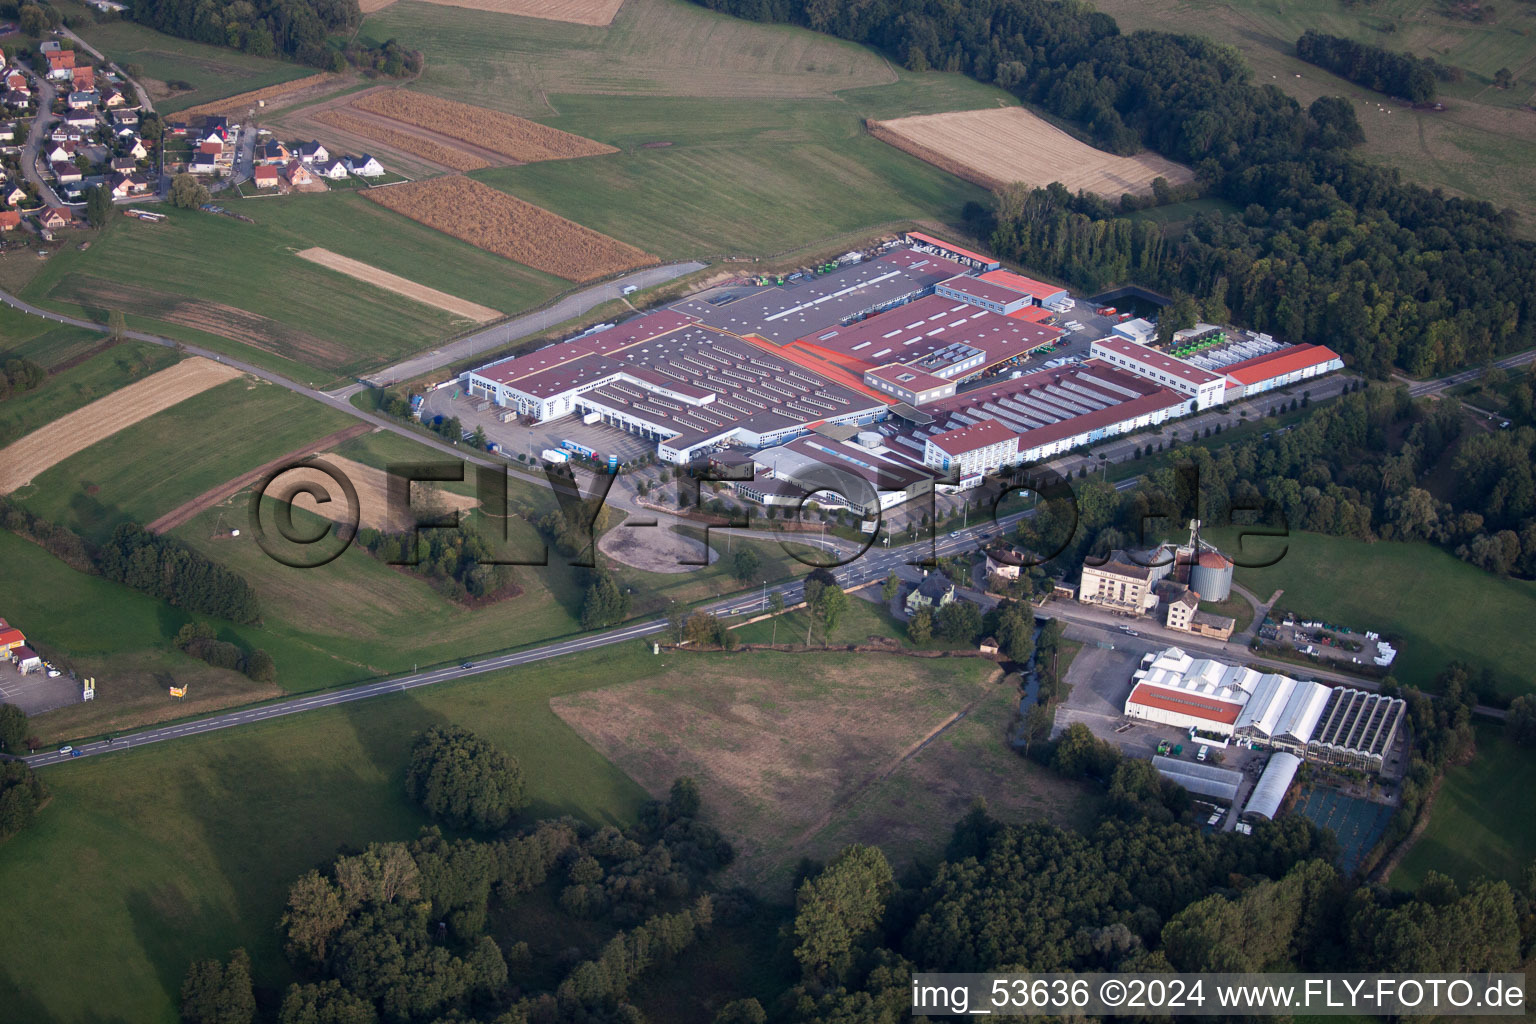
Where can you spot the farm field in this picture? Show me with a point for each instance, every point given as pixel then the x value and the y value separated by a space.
pixel 1472 831
pixel 519 138
pixel 238 104
pixel 23 336
pixel 70 387
pixel 578 12
pixel 214 72
pixel 355 127
pixel 1001 145
pixel 156 464
pixel 508 226
pixel 23 460
pixel 1482 145
pixel 361 271
pixel 1435 608
pixel 212 273
pixel 172 854
pixel 779 743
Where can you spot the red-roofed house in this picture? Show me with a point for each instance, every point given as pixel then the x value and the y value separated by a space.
pixel 11 638
pixel 84 78
pixel 61 63
pixel 10 220
pixel 265 176
pixel 297 174
pixel 53 218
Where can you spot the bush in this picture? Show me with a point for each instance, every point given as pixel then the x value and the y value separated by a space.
pixel 464 780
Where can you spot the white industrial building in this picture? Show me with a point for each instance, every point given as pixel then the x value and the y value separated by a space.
pixel 1269 793
pixel 1209 389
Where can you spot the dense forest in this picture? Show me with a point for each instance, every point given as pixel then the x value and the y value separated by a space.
pixel 299 30
pixel 1326 248
pixel 1396 74
pixel 557 922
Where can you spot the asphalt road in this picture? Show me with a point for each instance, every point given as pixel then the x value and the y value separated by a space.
pixel 508 331
pixel 44 120
pixel 1433 387
pixel 874 565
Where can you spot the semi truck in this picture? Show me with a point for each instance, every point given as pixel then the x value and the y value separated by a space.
pixel 554 455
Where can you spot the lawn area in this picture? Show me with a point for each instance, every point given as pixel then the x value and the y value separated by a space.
pixel 786 746
pixel 1432 606
pixel 78 385
pixel 1475 825
pixel 241 289
pixel 1483 144
pixel 213 71
pixel 42 341
pixel 155 465
pixel 173 852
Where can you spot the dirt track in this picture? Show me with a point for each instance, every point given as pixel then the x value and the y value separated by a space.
pixel 1007 144
pixel 185 513
pixel 47 446
pixel 400 285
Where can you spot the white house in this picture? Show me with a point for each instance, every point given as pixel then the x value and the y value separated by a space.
pixel 312 152
pixel 364 166
pixel 332 169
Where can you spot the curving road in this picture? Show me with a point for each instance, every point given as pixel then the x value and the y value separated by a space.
pixel 31 150
pixel 1418 389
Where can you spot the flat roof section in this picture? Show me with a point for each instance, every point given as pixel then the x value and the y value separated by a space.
pixel 1156 360
pixel 968 439
pixel 934 322
pixel 636 329
pixel 980 289
pixel 1021 284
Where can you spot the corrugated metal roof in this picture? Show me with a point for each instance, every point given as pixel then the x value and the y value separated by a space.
pixel 1276 364
pixel 1270 791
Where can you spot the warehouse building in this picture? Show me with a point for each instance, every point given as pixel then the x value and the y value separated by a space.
pixel 1279 369
pixel 979 292
pixel 859 473
pixel 1040 293
pixel 1209 389
pixel 927 243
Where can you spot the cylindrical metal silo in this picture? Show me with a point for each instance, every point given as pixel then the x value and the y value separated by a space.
pixel 1211 576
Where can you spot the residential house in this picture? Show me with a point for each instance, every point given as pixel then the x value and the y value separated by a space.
pixel 61 64
pixel 83 78
pixel 14 195
pixel 125 118
pixel 80 100
pixel 266 176
pixel 364 166
pixel 213 149
pixel 272 152
pixel 17 100
pixel 177 128
pixel 112 98
pixel 202 163
pixel 297 174
pixel 136 149
pixel 66 173
pixel 54 218
pixel 17 80
pixel 335 170
pixel 933 593
pixel 10 220
pixel 64 152
pixel 130 184
pixel 82 119
pixel 217 137
pixel 312 152
pixel 7 131
pixel 124 164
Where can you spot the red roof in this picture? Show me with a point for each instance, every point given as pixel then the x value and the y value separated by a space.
pixel 968 439
pixel 266 173
pixel 9 219
pixel 1276 364
pixel 11 636
pixel 918 236
pixel 1019 283
pixel 1033 314
pixel 1212 560
pixel 1183 702
pixel 977 288
pixel 210 148
pixel 24 653
pixel 61 59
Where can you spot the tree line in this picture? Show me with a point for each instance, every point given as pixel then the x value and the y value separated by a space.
pixel 298 30
pixel 1396 74
pixel 169 570
pixel 1325 248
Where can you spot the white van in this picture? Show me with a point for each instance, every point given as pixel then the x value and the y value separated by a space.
pixel 1204 750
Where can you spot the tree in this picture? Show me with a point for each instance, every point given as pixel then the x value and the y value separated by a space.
pixel 920 626
pixel 1521 723
pixel 1502 78
pixel 891 587
pixel 839 908
pixel 605 602
pixel 958 622
pixel 98 205
pixel 260 666
pixel 32 20
pixel 21 794
pixel 217 993
pixel 776 602
pixel 464 780
pixel 117 325
pixel 742 1011
pixel 745 564
pixel 1037 724
pixel 325 1003
pixel 187 192
pixel 13 728
pixel 314 914
pixel 478 438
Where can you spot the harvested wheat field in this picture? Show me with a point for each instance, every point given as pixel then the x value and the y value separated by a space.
pixel 1009 144
pixel 408 142
pixel 507 226
pixel 576 12
pixel 372 6
pixel 24 459
pixel 372 486
pixel 245 100
pixel 399 285
pixel 515 137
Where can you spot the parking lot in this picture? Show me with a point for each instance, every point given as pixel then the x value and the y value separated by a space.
pixel 35 693
pixel 515 438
